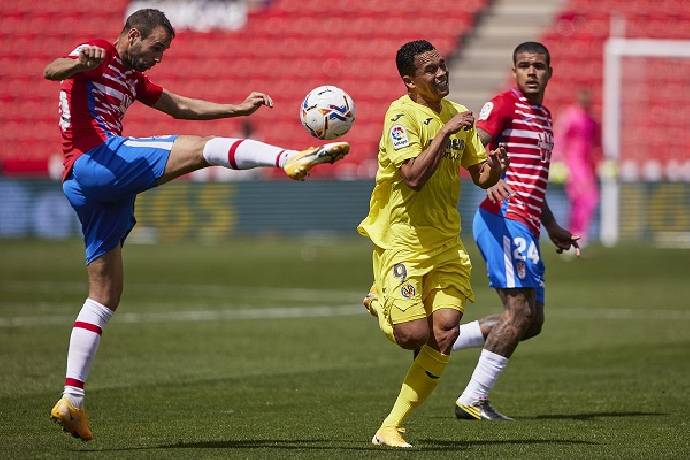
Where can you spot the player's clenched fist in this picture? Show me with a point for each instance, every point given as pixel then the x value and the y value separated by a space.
pixel 498 160
pixel 463 121
pixel 91 57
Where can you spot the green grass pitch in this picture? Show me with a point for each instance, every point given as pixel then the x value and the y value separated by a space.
pixel 258 348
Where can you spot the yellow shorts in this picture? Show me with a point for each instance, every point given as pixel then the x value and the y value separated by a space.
pixel 412 285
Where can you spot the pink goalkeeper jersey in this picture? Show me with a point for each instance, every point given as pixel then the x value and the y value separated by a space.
pixel 93 103
pixel 578 137
pixel 526 132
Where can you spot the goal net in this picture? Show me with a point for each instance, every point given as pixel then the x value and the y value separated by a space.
pixel 646 137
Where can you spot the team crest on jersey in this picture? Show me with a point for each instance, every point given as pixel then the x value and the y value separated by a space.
pixel 408 291
pixel 486 111
pixel 545 145
pixel 521 269
pixel 399 137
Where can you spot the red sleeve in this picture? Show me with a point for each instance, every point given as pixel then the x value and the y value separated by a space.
pixel 494 115
pixel 147 91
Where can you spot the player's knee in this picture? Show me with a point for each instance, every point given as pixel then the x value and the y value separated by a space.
pixel 521 316
pixel 535 327
pixel 201 143
pixel 190 147
pixel 410 341
pixel 411 335
pixel 110 300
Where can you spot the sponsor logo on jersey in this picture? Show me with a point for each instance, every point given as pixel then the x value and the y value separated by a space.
pixel 397 117
pixel 486 111
pixel 455 149
pixel 457 144
pixel 399 137
pixel 427 121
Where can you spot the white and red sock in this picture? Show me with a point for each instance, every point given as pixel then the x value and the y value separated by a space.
pixel 244 153
pixel 83 344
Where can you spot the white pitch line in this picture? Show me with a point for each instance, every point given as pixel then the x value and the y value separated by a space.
pixel 250 313
pixel 296 294
pixel 197 315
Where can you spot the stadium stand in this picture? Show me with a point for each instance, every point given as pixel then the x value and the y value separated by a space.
pixel 285 49
pixel 576 42
pixel 31 34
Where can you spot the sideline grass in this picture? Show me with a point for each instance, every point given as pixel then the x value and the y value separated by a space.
pixel 179 374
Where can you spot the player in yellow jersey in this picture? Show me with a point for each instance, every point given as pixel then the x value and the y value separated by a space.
pixel 421 269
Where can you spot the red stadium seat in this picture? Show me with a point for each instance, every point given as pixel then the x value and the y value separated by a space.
pixel 576 42
pixel 285 49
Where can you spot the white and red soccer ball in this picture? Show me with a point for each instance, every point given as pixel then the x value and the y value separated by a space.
pixel 327 112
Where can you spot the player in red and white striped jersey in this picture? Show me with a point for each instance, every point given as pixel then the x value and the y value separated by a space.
pixel 526 132
pixel 507 224
pixel 104 171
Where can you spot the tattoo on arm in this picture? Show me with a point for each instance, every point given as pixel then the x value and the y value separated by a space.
pixel 484 137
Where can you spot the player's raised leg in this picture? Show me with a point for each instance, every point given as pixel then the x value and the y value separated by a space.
pixel 297 166
pixel 191 153
pixel 374 306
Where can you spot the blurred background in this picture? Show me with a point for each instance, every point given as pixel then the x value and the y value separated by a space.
pixel 631 58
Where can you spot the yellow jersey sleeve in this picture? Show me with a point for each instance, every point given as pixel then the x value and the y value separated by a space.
pixel 475 152
pixel 401 134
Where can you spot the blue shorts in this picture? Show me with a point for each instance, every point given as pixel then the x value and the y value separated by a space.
pixel 104 183
pixel 511 252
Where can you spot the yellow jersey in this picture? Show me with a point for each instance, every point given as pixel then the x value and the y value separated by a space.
pixel 400 217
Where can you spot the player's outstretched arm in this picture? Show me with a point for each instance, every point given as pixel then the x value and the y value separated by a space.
pixel 62 68
pixel 561 238
pixel 186 108
pixel 416 171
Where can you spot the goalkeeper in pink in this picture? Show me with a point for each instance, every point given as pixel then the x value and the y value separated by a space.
pixel 578 138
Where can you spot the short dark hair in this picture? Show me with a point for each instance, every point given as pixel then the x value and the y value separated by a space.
pixel 404 58
pixel 147 20
pixel 532 47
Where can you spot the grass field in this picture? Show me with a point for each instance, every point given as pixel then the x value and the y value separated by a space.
pixel 259 348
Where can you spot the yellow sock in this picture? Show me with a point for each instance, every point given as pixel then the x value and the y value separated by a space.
pixel 420 381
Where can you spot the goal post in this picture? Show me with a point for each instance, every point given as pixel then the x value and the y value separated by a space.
pixel 652 70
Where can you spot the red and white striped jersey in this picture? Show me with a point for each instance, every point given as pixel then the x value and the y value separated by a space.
pixel 526 132
pixel 93 103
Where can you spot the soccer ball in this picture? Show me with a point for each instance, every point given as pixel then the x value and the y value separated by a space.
pixel 327 112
